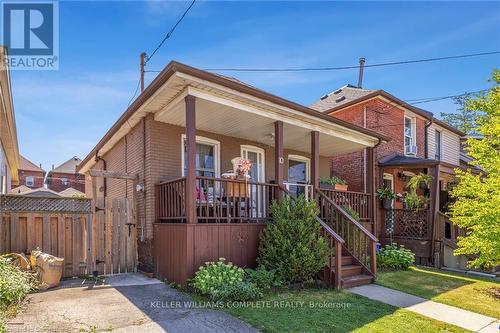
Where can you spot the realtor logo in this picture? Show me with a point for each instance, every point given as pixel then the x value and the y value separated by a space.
pixel 30 31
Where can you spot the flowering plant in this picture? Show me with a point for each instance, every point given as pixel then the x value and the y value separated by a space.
pixel 244 167
pixel 214 275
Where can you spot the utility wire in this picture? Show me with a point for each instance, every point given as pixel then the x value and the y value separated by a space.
pixel 135 93
pixel 434 99
pixel 310 69
pixel 169 34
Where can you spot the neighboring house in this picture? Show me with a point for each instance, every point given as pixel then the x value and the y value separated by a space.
pixel 30 175
pixel 419 143
pixel 175 145
pixel 39 192
pixel 65 176
pixel 9 150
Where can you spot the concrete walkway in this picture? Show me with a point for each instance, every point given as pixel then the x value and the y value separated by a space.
pixel 126 303
pixel 442 312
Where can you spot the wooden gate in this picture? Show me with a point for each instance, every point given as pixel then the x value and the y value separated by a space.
pixel 114 237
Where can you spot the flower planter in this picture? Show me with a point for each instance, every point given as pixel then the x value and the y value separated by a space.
pixel 340 187
pixel 326 186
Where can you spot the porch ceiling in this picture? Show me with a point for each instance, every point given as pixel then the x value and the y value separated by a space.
pixel 234 122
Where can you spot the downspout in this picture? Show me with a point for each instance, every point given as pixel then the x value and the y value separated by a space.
pixel 104 181
pixel 364 153
pixel 426 138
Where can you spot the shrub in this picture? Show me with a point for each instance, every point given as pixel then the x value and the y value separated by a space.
pixel 239 291
pixel 394 257
pixel 15 284
pixel 290 245
pixel 263 278
pixel 215 275
pixel 349 210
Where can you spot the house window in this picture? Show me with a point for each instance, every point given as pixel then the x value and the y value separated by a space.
pixel 207 157
pixel 64 181
pixel 30 181
pixel 437 145
pixel 409 136
pixel 298 169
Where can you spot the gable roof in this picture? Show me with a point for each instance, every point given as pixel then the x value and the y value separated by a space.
pixel 40 192
pixel 20 189
pixel 71 192
pixel 175 67
pixel 69 166
pixel 27 165
pixel 350 95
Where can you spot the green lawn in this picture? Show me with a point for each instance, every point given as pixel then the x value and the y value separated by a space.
pixel 463 291
pixel 359 314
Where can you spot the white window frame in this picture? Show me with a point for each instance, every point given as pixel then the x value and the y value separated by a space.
pixel 32 178
pixel 257 150
pixel 299 158
pixel 390 176
pixel 413 137
pixel 206 141
pixel 438 144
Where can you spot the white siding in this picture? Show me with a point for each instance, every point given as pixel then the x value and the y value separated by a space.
pixel 450 144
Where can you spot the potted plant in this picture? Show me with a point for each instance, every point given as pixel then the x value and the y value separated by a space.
pixel 333 183
pixel 422 181
pixel 385 195
pixel 414 201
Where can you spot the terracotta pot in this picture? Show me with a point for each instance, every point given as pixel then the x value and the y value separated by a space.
pixel 340 187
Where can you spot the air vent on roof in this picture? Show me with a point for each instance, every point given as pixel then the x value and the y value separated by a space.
pixel 337 91
pixel 324 97
pixel 340 99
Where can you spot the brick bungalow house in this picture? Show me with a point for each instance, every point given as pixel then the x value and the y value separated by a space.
pixel 176 147
pixel 65 176
pixel 9 150
pixel 420 143
pixel 30 174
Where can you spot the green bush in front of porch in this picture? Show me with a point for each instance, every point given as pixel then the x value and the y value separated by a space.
pixel 290 245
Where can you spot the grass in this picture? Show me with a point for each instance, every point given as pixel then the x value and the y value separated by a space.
pixel 463 291
pixel 341 312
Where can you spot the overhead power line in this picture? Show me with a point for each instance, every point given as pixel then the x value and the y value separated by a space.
pixel 331 68
pixel 434 99
pixel 170 32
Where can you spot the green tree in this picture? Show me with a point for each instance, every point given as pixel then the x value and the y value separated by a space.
pixel 463 119
pixel 477 206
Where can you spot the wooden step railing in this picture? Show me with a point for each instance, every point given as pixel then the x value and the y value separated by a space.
pixel 448 232
pixel 361 202
pixel 358 241
pixel 332 273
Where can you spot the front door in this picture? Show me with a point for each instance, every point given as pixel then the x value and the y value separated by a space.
pixel 257 174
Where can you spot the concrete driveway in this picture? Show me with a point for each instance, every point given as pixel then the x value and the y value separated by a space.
pixel 123 303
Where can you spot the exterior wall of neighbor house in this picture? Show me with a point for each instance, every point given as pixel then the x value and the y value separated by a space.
pixel 162 162
pixel 37 177
pixel 56 182
pixel 450 144
pixel 384 118
pixel 5 172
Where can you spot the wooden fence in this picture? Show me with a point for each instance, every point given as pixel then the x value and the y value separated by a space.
pixel 67 228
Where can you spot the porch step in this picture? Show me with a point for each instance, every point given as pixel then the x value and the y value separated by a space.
pixel 356 280
pixel 351 270
pixel 346 260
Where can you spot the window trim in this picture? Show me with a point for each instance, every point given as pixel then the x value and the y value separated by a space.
pixel 299 158
pixel 413 137
pixel 32 178
pixel 440 146
pixel 206 141
pixel 259 150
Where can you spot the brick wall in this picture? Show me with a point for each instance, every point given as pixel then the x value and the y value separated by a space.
pixel 383 118
pixel 59 181
pixel 38 178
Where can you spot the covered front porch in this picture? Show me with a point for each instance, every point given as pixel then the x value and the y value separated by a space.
pixel 421 230
pixel 202 212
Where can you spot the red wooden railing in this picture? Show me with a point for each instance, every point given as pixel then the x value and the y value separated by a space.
pixel 359 242
pixel 170 203
pixel 217 200
pixel 226 200
pixel 359 201
pixel 448 232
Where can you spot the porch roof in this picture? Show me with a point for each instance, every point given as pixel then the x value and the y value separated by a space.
pixel 229 107
pixel 397 160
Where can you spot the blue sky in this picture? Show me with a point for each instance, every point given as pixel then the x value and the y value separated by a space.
pixel 65 112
